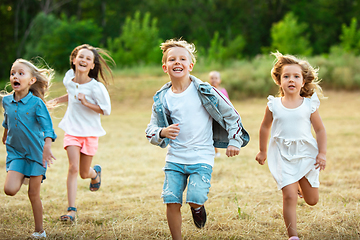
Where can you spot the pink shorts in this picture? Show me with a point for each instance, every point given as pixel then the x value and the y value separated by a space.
pixel 88 145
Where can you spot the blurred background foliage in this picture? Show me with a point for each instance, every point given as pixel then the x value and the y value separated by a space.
pixel 233 36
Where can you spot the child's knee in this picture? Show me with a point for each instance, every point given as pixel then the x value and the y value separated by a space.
pixel 33 194
pixel 10 191
pixel 73 169
pixel 313 200
pixel 290 197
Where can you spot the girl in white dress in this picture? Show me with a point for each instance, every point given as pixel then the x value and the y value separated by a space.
pixel 294 157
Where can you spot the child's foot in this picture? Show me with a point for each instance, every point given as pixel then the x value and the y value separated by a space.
pixel 38 235
pixel 294 238
pixel 96 182
pixel 199 216
pixel 70 216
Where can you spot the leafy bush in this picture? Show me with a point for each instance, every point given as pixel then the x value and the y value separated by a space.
pixel 289 37
pixel 218 52
pixel 139 42
pixel 350 38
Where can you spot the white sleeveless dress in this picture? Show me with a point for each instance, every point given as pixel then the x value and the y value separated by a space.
pixel 292 147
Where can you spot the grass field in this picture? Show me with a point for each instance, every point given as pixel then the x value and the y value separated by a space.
pixel 244 202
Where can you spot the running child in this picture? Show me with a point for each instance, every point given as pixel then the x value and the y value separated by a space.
pixel 28 134
pixel 182 116
pixel 295 158
pixel 87 99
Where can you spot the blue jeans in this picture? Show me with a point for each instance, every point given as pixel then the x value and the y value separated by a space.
pixel 195 176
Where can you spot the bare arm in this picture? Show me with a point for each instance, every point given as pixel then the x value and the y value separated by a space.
pixel 94 107
pixel 321 139
pixel 58 100
pixel 4 136
pixel 264 136
pixel 47 154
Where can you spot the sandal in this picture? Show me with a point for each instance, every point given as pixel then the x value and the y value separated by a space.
pixel 67 217
pixel 95 186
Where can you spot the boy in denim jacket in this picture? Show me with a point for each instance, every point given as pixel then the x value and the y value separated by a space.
pixel 191 117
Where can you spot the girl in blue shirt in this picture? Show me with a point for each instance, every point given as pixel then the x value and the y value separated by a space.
pixel 28 134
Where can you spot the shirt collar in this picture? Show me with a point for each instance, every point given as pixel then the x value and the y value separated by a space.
pixel 25 99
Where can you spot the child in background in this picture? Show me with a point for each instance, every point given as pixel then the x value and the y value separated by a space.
pixel 28 133
pixel 182 116
pixel 215 81
pixel 87 99
pixel 295 157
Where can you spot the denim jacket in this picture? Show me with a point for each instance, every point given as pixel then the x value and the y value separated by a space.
pixel 227 127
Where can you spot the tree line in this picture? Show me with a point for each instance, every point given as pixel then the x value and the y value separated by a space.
pixel 222 30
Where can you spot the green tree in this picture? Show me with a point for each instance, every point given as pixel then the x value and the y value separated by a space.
pixel 139 42
pixel 350 37
pixel 219 52
pixel 57 42
pixel 290 37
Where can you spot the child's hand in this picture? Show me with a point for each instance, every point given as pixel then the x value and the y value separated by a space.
pixel 261 157
pixel 47 154
pixel 171 131
pixel 232 151
pixel 4 137
pixel 82 98
pixel 320 161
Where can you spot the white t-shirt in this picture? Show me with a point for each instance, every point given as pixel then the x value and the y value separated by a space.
pixel 79 120
pixel 194 144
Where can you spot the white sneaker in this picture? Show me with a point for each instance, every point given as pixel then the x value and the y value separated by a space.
pixel 38 235
pixel 217 155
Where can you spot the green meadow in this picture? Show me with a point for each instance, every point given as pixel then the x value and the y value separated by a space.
pixel 244 202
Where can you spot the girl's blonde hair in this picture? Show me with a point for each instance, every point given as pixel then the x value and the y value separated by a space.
pixel 43 77
pixel 310 75
pixel 99 61
pixel 171 43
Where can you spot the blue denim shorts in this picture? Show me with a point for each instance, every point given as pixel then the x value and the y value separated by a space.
pixel 196 177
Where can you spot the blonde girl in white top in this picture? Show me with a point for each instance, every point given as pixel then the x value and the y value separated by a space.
pixel 87 99
pixel 294 157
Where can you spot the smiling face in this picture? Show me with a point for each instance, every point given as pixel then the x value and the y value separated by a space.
pixel 21 79
pixel 178 63
pixel 291 79
pixel 84 60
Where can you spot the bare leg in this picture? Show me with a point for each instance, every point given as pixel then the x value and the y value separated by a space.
pixel 86 171
pixel 73 153
pixel 310 194
pixel 173 215
pixel 13 182
pixel 34 197
pixel 290 196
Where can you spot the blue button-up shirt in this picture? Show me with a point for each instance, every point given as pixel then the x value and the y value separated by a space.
pixel 28 122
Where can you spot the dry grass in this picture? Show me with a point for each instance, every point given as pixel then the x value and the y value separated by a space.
pixel 244 202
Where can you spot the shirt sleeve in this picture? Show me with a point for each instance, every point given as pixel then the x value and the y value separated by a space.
pixel 102 98
pixel 314 102
pixel 44 119
pixel 270 103
pixel 69 75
